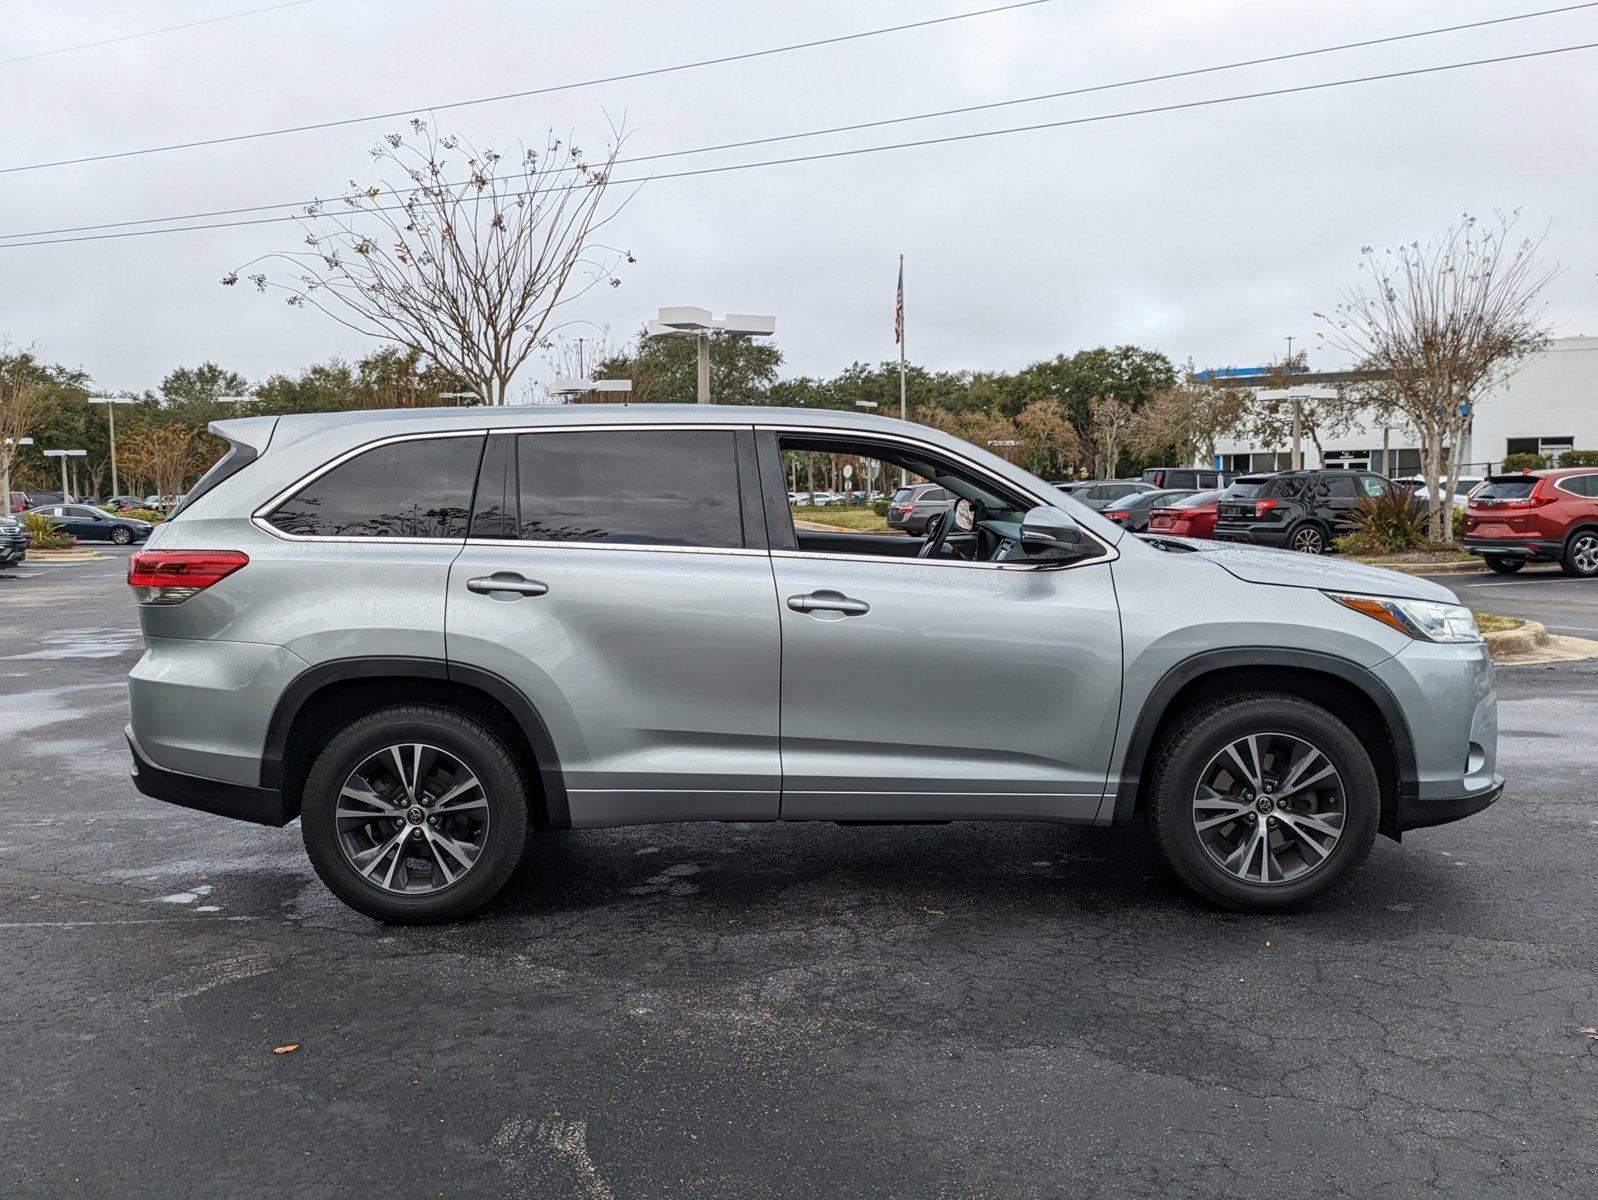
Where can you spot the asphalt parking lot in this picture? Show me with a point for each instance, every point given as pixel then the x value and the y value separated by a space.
pixel 1543 593
pixel 763 1011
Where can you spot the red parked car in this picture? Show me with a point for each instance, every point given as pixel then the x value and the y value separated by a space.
pixel 1193 517
pixel 1536 516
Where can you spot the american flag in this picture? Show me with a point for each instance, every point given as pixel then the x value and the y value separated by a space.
pixel 898 308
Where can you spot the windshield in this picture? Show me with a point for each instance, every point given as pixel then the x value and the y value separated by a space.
pixel 1511 487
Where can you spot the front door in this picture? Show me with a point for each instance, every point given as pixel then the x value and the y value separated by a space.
pixel 917 689
pixel 609 578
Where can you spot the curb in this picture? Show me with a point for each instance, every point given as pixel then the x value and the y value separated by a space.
pixel 63 556
pixel 1448 568
pixel 1532 645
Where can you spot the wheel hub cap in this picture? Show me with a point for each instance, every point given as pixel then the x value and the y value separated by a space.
pixel 1269 808
pixel 412 819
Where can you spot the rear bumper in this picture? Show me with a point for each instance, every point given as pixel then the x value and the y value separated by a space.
pixel 263 806
pixel 1254 535
pixel 1515 547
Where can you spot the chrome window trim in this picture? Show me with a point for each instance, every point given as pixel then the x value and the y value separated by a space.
pixel 1111 553
pixel 544 544
pixel 1564 479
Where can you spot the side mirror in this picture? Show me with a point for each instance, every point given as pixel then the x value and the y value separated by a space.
pixel 1050 534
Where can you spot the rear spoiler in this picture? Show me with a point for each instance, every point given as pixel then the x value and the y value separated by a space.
pixel 247 439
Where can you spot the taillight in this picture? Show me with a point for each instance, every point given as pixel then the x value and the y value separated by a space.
pixel 1261 507
pixel 172 576
pixel 1117 514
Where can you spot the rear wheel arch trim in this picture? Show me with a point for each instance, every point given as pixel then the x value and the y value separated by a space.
pixel 1135 759
pixel 308 683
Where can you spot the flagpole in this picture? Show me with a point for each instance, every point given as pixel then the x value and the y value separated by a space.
pixel 903 476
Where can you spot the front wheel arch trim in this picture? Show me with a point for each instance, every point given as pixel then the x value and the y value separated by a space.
pixel 495 687
pixel 1213 662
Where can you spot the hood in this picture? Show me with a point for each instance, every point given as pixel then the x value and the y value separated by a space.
pixel 1327 573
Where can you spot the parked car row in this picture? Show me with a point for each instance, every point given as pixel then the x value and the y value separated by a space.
pixel 87 523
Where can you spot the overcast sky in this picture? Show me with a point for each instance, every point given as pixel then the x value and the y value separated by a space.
pixel 1211 233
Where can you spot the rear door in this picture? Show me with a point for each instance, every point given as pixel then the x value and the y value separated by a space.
pixel 618 578
pixel 1337 499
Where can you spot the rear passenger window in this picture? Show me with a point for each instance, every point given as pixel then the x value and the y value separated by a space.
pixel 411 489
pixel 1338 487
pixel 664 487
pixel 1580 485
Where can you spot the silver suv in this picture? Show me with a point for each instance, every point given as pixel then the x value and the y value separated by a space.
pixel 427 633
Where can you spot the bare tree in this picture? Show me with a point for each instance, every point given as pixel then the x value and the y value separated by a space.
pixel 468 260
pixel 1187 419
pixel 1440 324
pixel 22 409
pixel 163 456
pixel 1109 429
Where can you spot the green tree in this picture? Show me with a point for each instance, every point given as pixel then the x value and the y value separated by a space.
pixel 665 370
pixel 1128 374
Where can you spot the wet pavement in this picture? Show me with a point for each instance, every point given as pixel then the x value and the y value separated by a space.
pixel 764 1011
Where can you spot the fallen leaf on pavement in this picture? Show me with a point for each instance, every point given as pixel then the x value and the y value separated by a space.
pixel 289 1049
pixel 1589 1031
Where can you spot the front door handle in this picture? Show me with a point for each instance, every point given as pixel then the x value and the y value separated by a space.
pixel 828 602
pixel 506 581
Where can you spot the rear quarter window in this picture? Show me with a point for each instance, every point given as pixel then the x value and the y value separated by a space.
pixel 421 488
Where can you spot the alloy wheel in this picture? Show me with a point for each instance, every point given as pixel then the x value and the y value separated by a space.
pixel 1309 540
pixel 412 819
pixel 1584 554
pixel 1269 808
pixel 121 537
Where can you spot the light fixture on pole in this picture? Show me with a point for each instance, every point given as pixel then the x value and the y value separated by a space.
pixel 458 396
pixel 63 455
pixel 111 403
pixel 865 404
pixel 566 388
pixel 235 399
pixel 699 323
pixel 5 474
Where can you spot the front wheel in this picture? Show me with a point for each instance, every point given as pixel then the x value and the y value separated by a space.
pixel 1503 563
pixel 1581 556
pixel 415 814
pixel 1308 539
pixel 1263 802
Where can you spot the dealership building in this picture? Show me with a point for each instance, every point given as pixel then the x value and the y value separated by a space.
pixel 1549 404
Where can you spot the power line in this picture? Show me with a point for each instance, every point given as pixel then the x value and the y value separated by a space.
pixel 935 141
pixel 542 91
pixel 133 37
pixel 947 112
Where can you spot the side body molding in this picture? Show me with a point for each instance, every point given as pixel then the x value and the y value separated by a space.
pixel 1273 658
pixel 527 717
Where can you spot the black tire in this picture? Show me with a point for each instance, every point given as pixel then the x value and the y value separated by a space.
pixel 1504 564
pixel 1308 538
pixel 1581 554
pixel 122 535
pixel 1196 740
pixel 474 745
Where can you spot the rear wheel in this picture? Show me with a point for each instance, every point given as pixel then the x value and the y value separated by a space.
pixel 414 814
pixel 1308 539
pixel 122 535
pixel 1503 563
pixel 1581 555
pixel 1263 802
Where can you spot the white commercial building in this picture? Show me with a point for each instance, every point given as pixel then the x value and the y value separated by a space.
pixel 1549 404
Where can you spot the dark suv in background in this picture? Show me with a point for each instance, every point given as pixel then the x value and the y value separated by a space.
pixel 1295 510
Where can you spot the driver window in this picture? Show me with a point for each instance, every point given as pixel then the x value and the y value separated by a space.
pixel 876 501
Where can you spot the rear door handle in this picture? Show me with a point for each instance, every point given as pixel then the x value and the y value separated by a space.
pixel 828 602
pixel 506 581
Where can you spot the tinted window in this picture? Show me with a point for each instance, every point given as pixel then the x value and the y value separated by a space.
pixel 1580 485
pixel 1372 485
pixel 1337 487
pixel 1515 487
pixel 903 494
pixel 663 487
pixel 1244 489
pixel 405 489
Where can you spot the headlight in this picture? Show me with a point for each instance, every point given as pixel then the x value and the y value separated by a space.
pixel 1424 619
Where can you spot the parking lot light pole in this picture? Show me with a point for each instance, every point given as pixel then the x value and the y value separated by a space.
pixel 699 323
pixel 567 388
pixel 63 455
pixel 111 403
pixel 457 396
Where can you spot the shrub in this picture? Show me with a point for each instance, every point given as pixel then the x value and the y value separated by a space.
pixel 1523 462
pixel 137 514
pixel 1459 524
pixel 880 507
pixel 1579 458
pixel 1387 524
pixel 45 534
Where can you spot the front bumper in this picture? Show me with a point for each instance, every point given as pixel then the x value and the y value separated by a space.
pixel 263 806
pixel 1416 813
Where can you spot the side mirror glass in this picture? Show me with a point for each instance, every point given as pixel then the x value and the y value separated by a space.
pixel 1049 534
